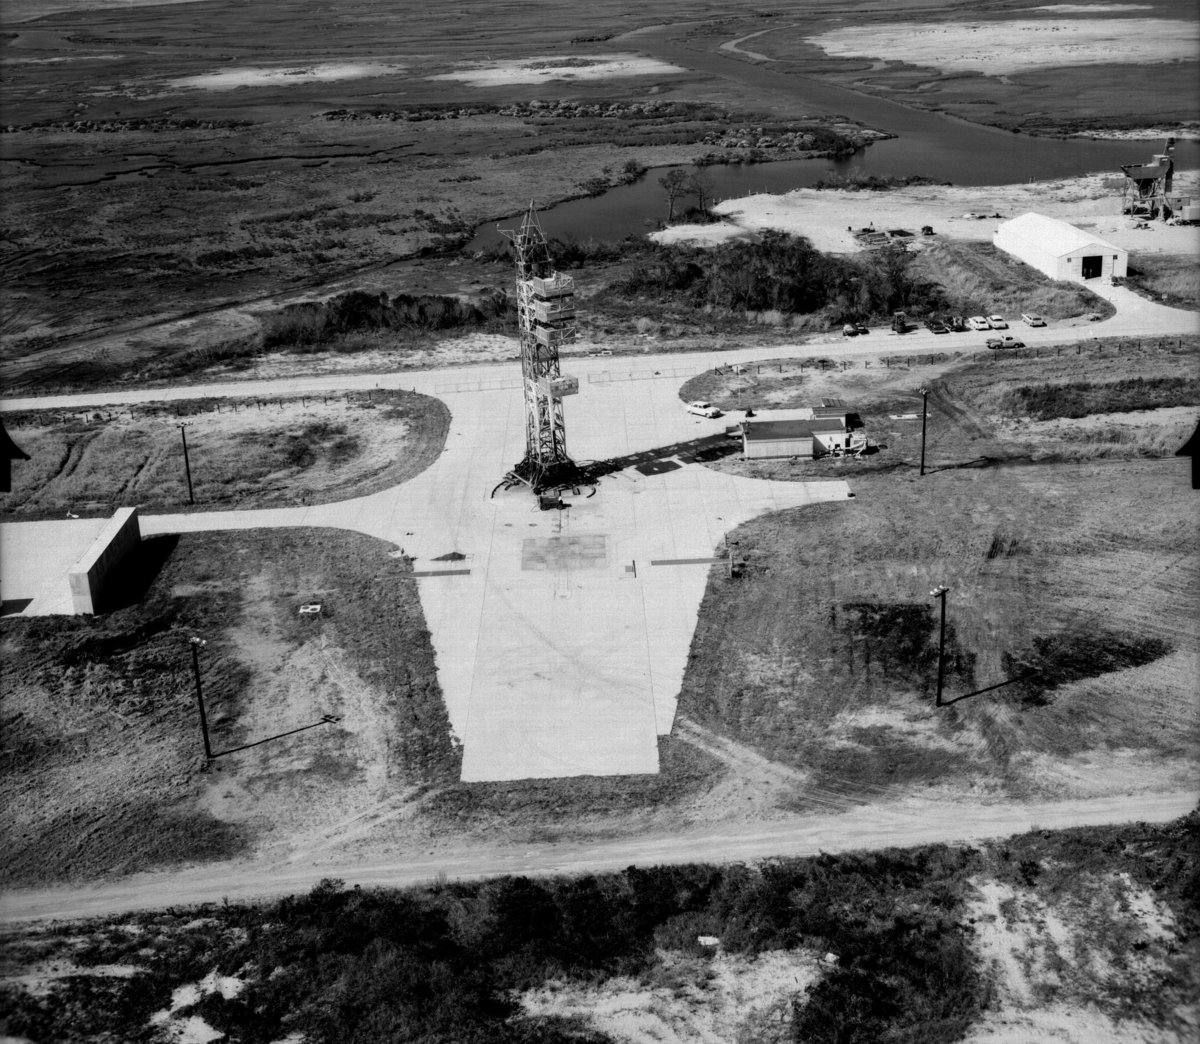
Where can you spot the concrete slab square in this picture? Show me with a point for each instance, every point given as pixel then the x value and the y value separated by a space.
pixel 35 559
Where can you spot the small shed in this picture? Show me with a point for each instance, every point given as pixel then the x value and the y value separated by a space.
pixel 1060 250
pixel 786 438
pixel 798 438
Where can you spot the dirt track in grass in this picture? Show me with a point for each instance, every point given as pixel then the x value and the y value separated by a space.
pixel 242 453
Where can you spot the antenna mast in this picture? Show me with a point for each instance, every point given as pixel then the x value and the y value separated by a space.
pixel 546 318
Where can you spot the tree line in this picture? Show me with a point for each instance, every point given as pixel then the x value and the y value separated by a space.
pixel 785 273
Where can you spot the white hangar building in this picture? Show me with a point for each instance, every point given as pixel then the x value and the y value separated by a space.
pixel 1060 250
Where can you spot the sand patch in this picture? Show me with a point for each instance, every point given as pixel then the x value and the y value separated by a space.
pixel 1092 8
pixel 191 1029
pixel 994 48
pixel 1048 962
pixel 685 999
pixel 548 69
pixel 828 217
pixel 250 76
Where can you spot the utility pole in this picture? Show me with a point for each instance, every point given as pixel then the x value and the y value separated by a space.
pixel 187 466
pixel 197 644
pixel 939 592
pixel 924 416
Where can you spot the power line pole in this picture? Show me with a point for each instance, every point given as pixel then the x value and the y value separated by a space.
pixel 197 644
pixel 187 465
pixel 924 416
pixel 939 592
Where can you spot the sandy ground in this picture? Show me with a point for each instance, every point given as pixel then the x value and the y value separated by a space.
pixel 727 997
pixel 1050 962
pixel 826 216
pixel 549 69
pixel 999 47
pixel 248 76
pixel 27 10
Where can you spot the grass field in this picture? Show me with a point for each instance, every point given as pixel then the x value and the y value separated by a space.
pixel 242 453
pixel 1173 279
pixel 1093 928
pixel 823 655
pixel 103 770
pixel 979 279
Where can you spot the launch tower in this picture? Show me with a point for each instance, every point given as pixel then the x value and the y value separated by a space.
pixel 546 318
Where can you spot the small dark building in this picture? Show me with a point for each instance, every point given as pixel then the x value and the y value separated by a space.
pixel 1190 449
pixel 9 451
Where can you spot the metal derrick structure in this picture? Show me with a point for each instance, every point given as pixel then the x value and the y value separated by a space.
pixel 546 318
pixel 1147 186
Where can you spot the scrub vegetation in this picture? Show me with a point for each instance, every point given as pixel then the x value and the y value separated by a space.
pixel 784 275
pixel 910 959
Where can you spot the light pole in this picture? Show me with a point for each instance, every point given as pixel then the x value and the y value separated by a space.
pixel 924 416
pixel 197 644
pixel 939 592
pixel 187 465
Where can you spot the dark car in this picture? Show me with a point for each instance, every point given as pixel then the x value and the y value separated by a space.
pixel 936 326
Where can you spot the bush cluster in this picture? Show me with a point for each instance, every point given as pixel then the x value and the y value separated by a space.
pixel 1081 398
pixel 353 965
pixel 781 272
pixel 323 321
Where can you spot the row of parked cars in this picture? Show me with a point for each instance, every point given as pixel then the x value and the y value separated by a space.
pixel 957 324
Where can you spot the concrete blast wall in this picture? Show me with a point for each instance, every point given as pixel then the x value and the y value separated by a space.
pixel 93 575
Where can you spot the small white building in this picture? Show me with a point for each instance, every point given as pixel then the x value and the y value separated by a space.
pixel 811 438
pixel 1060 250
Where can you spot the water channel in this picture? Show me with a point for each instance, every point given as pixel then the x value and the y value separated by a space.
pixel 938 146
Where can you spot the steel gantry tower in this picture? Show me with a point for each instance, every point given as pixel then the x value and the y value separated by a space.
pixel 546 317
pixel 1146 192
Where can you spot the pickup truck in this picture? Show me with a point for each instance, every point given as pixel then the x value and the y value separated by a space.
pixel 1004 342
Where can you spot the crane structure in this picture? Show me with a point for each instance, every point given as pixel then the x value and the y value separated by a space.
pixel 1148 185
pixel 546 319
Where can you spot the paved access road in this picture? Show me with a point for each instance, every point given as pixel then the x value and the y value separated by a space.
pixel 900 824
pixel 1136 318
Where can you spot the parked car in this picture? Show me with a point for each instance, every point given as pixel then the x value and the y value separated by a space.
pixel 862 328
pixel 997 322
pixel 977 322
pixel 850 330
pixel 956 323
pixel 1004 342
pixel 1032 319
pixel 936 326
pixel 703 409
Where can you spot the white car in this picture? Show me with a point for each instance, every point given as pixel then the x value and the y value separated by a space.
pixel 977 322
pixel 703 409
pixel 997 322
pixel 1032 319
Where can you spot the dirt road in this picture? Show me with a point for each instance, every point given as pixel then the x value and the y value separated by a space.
pixel 895 825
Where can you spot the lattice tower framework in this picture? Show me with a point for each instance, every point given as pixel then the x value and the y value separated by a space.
pixel 546 320
pixel 1147 187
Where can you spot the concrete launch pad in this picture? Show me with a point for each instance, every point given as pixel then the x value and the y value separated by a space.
pixel 560 646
